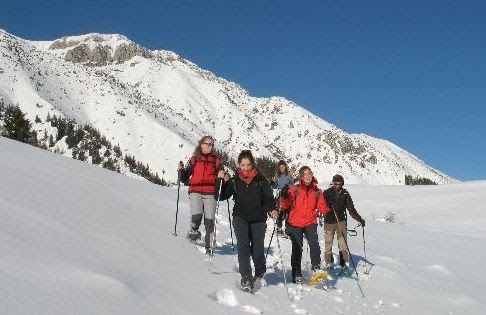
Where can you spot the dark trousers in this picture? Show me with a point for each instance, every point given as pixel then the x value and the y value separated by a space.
pixel 250 237
pixel 296 235
pixel 280 219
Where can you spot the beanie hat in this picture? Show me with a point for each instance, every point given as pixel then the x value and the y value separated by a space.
pixel 338 178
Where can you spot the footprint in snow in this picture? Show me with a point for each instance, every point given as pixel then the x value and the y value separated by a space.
pixel 251 309
pixel 226 297
pixel 298 310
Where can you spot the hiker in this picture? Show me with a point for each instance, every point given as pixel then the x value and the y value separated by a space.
pixel 303 201
pixel 201 174
pixel 281 180
pixel 339 199
pixel 253 203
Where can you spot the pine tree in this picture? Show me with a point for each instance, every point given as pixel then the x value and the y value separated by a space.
pixel 51 141
pixel 95 156
pixel 2 110
pixel 117 150
pixel 17 127
pixel 109 164
pixel 409 180
pixel 266 166
pixel 226 160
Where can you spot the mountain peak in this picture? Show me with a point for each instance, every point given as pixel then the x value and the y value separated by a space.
pixel 97 49
pixel 91 39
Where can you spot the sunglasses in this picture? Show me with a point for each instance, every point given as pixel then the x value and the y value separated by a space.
pixel 337 184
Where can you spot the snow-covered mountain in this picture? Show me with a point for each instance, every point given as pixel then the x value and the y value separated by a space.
pixel 156 105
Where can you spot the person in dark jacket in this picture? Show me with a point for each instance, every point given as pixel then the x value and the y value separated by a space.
pixel 201 174
pixel 339 199
pixel 281 180
pixel 304 201
pixel 253 203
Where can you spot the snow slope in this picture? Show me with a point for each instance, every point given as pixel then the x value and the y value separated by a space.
pixel 77 239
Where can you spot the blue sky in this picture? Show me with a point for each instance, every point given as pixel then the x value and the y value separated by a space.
pixel 412 72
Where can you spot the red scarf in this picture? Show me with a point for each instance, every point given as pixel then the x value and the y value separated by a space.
pixel 248 177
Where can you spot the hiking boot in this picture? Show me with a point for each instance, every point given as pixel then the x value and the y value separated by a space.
pixel 298 280
pixel 329 266
pixel 194 235
pixel 316 268
pixel 209 252
pixel 246 284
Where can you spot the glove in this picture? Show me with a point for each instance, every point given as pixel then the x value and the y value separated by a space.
pixel 362 222
pixel 321 220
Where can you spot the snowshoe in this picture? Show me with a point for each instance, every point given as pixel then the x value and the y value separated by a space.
pixel 194 235
pixel 298 280
pixel 346 272
pixel 247 285
pixel 318 276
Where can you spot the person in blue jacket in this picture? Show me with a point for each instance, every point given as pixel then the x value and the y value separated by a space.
pixel 281 180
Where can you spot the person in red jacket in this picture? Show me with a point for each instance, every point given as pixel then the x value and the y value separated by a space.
pixel 304 201
pixel 201 173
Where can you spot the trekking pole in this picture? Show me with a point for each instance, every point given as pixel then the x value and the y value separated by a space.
pixel 364 250
pixel 353 232
pixel 178 190
pixel 283 265
pixel 271 238
pixel 345 241
pixel 213 243
pixel 274 228
pixel 231 226
pixel 349 252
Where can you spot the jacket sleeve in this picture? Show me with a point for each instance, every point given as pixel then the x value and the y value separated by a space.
pixel 286 202
pixel 268 199
pixel 187 172
pixel 227 190
pixel 322 206
pixel 352 210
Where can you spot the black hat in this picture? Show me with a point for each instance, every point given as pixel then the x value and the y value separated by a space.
pixel 338 179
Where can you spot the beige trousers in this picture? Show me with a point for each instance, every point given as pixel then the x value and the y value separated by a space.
pixel 329 231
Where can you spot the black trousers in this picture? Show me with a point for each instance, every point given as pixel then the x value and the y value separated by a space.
pixel 296 235
pixel 250 237
pixel 280 219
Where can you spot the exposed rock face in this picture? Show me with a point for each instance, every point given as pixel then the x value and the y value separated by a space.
pixel 78 54
pixel 125 52
pixel 101 55
pixel 94 50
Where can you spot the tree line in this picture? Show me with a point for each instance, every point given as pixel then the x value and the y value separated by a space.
pixel 86 142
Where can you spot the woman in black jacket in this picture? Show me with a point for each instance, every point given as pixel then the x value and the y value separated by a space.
pixel 254 202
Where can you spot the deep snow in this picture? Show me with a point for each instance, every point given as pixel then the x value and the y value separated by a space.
pixel 78 239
